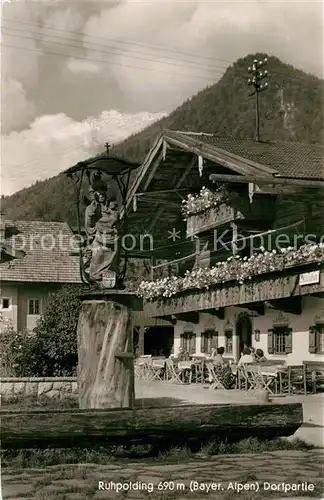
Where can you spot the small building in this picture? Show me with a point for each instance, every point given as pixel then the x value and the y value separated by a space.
pixel 39 258
pixel 235 233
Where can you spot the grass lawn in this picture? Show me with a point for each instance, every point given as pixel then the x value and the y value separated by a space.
pixel 21 459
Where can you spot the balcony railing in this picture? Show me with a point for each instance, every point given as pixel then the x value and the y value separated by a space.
pixel 240 208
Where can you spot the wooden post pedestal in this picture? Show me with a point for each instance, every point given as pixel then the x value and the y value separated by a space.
pixel 105 349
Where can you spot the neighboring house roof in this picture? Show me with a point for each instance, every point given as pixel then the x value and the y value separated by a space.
pixel 288 159
pixel 47 247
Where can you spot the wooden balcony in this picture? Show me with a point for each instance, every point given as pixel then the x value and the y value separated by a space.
pixel 283 287
pixel 239 209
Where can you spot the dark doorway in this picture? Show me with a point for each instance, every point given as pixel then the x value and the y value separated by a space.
pixel 158 340
pixel 244 331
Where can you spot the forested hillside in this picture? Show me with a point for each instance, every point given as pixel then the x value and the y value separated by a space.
pixel 291 110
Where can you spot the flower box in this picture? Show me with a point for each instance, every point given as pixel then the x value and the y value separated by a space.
pixel 240 208
pixel 241 270
pixel 217 216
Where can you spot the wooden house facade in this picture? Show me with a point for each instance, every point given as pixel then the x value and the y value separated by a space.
pixel 241 261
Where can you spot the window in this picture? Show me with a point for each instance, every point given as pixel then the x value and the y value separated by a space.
pixel 209 341
pixel 280 340
pixel 188 342
pixel 316 339
pixel 5 303
pixel 34 306
pixel 229 341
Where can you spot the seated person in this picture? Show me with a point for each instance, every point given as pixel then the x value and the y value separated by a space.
pixel 246 357
pixel 225 375
pixel 183 355
pixel 217 356
pixel 260 357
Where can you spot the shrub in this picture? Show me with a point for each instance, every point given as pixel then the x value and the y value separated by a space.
pixel 6 333
pixel 51 349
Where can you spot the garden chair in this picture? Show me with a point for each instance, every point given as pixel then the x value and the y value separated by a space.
pixel 314 374
pixel 138 369
pixel 171 371
pixel 241 380
pixel 251 377
pixel 157 368
pixel 185 368
pixel 264 377
pixel 215 382
pixel 296 379
pixel 145 362
pixel 198 370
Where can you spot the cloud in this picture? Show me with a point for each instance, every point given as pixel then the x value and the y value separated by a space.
pixel 18 72
pixel 162 51
pixel 13 101
pixel 146 55
pixel 79 66
pixel 22 54
pixel 53 143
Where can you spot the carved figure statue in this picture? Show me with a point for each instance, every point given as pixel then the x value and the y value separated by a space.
pixel 101 225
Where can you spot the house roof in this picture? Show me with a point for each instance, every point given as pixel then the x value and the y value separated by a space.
pixel 47 247
pixel 171 170
pixel 286 159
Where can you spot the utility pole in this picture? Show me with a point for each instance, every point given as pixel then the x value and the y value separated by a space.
pixel 257 76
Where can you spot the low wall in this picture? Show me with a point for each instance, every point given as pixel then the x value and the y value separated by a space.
pixel 47 387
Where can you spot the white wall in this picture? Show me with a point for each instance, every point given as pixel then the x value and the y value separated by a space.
pixel 10 292
pixel 26 292
pixel 19 295
pixel 311 307
pixel 32 321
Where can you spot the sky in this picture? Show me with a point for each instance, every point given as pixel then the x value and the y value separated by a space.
pixel 75 74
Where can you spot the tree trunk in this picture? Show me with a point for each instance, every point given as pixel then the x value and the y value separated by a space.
pixel 105 352
pixel 168 425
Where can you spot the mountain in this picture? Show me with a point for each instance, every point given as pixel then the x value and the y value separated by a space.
pixel 291 109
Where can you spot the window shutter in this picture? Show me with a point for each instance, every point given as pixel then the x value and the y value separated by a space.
pixel 289 339
pixel 271 347
pixel 215 340
pixel 192 343
pixel 202 342
pixel 312 339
